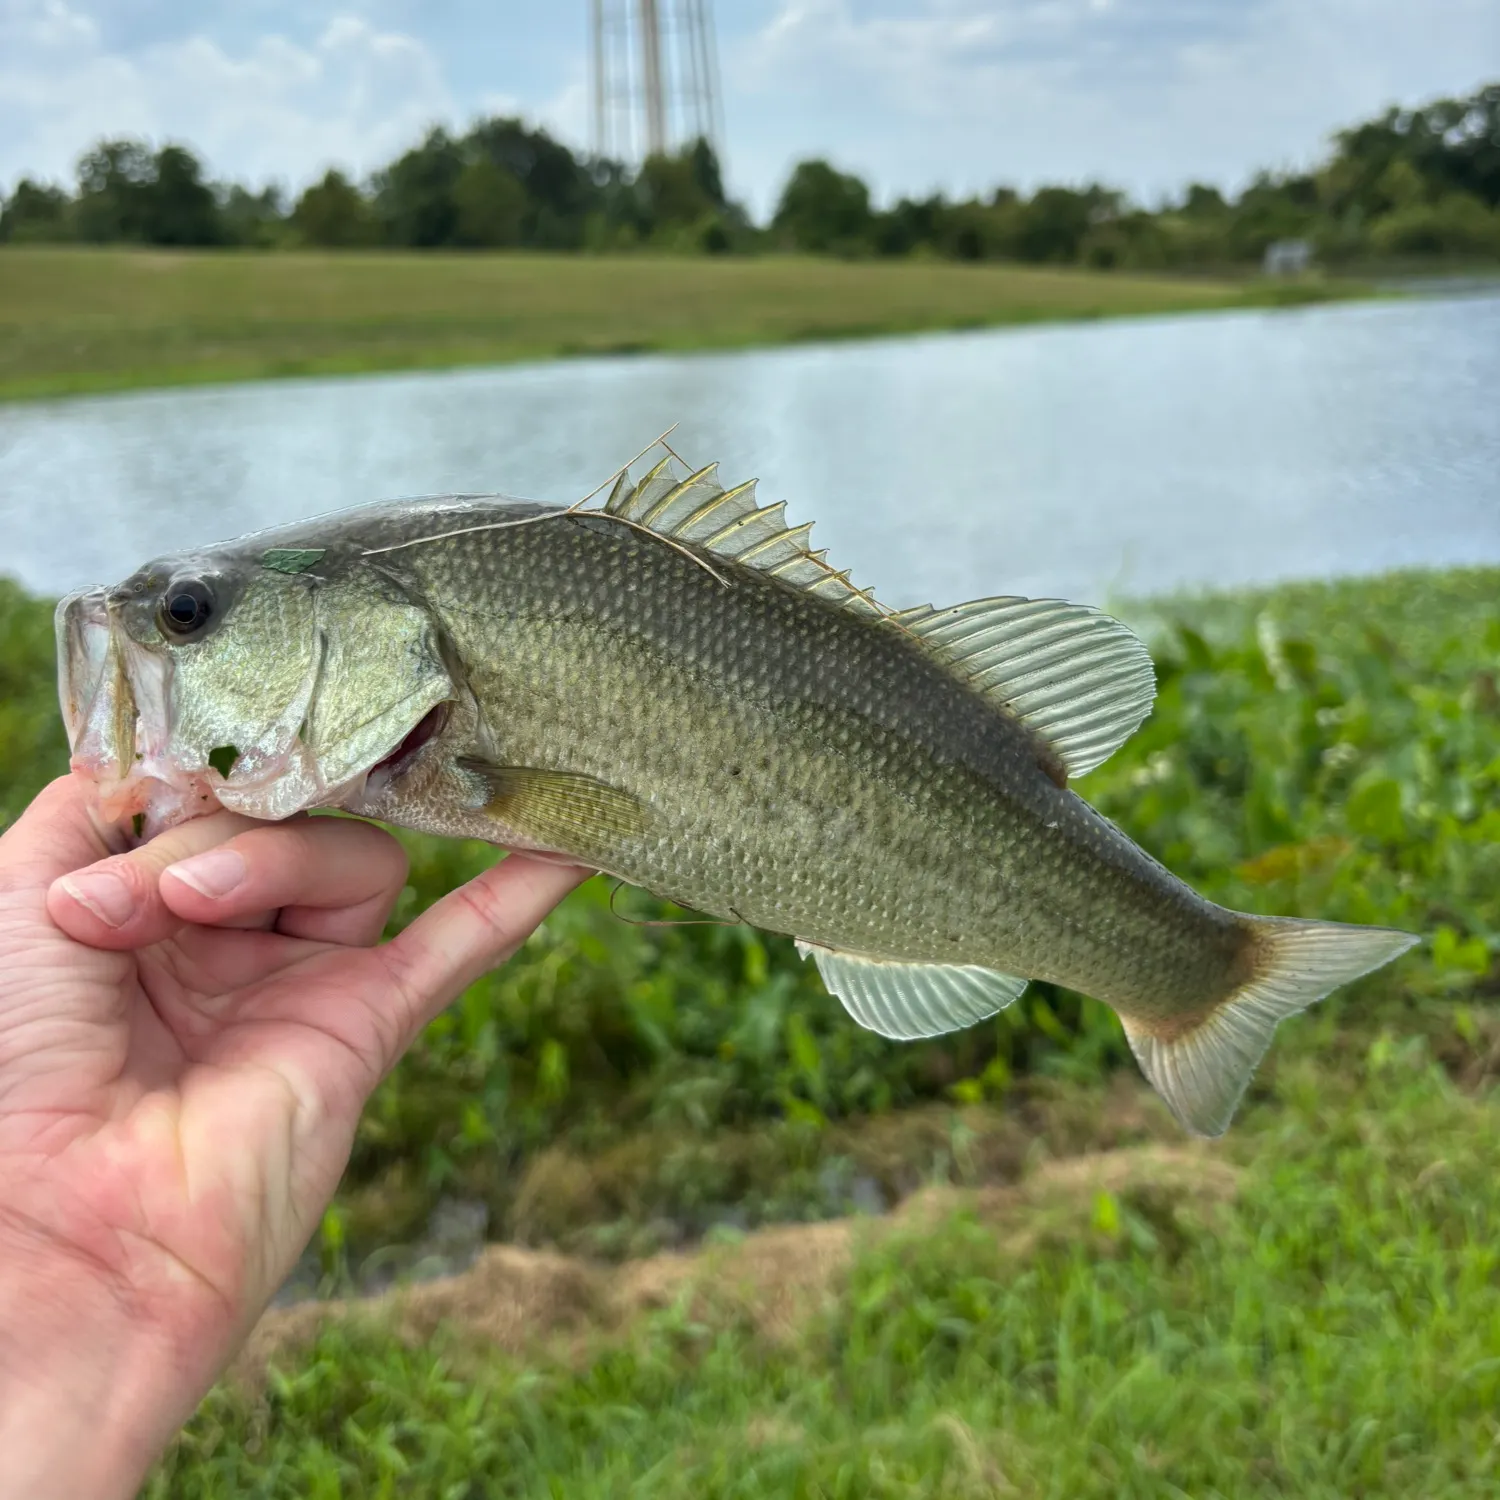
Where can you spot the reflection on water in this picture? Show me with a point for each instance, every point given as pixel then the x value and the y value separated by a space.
pixel 1085 460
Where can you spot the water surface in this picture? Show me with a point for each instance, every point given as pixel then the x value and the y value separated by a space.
pixel 1086 461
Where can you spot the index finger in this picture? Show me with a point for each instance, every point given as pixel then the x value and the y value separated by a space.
pixel 470 931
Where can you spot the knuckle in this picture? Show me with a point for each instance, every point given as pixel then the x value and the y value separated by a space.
pixel 138 876
pixel 485 904
pixel 189 839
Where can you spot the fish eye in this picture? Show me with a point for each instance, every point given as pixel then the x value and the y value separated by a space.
pixel 186 606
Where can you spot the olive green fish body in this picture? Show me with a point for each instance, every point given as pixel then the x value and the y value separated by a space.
pixel 806 770
pixel 675 690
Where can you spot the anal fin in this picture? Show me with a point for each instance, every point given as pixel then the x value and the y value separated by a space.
pixel 563 810
pixel 905 1001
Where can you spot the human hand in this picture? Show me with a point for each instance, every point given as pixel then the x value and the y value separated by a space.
pixel 188 1033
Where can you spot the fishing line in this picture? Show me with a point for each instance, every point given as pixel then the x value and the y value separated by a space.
pixel 663 921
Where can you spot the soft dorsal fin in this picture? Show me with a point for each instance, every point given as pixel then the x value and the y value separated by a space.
pixel 905 1001
pixel 1083 681
pixel 731 524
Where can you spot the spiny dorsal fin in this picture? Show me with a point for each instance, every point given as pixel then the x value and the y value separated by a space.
pixel 729 524
pixel 1083 681
pixel 633 500
pixel 905 1001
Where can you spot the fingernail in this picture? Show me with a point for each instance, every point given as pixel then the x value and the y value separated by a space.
pixel 106 895
pixel 213 874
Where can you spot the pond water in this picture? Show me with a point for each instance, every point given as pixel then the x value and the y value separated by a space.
pixel 1087 461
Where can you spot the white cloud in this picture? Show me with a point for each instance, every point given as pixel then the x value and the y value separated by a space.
pixel 353 97
pixel 1145 93
pixel 566 114
pixel 913 94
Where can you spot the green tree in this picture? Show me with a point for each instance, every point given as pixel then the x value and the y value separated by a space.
pixel 414 195
pixel 114 180
pixel 911 223
pixel 179 207
pixel 561 193
pixel 335 214
pixel 1272 208
pixel 35 212
pixel 822 210
pixel 1470 129
pixel 1457 224
pixel 707 173
pixel 1052 225
pixel 1203 201
pixel 491 205
pixel 671 193
pixel 125 192
pixel 1133 241
pixel 967 231
pixel 257 219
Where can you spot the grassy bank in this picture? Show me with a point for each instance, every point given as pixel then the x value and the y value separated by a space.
pixel 1308 1308
pixel 89 320
pixel 1309 1311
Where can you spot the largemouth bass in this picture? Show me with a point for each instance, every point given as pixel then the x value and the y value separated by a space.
pixel 675 689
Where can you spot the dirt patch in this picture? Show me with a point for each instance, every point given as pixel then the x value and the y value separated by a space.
pixel 660 1189
pixel 773 1279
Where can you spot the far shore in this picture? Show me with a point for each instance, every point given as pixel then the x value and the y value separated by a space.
pixel 76 320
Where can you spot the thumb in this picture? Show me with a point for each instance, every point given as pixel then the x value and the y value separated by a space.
pixel 58 832
pixel 117 902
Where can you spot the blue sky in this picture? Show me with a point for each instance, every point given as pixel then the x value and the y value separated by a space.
pixel 912 94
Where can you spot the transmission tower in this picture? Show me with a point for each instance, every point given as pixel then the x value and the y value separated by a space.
pixel 656 77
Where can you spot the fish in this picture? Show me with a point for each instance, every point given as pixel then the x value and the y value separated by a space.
pixel 671 686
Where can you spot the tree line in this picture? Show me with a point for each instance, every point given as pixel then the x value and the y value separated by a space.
pixel 1412 182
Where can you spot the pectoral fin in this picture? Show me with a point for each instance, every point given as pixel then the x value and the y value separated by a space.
pixel 563 810
pixel 906 1001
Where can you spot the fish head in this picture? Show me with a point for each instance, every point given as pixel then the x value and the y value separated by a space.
pixel 265 680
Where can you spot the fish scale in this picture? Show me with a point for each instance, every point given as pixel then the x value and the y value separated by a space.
pixel 676 689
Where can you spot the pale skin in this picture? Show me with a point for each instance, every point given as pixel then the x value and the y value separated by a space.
pixel 181 1073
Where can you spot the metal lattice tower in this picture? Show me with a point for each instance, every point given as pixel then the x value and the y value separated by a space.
pixel 656 77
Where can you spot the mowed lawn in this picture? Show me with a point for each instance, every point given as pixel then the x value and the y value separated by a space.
pixel 82 320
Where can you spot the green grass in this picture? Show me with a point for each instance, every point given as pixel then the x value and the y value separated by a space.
pixel 76 320
pixel 1329 1330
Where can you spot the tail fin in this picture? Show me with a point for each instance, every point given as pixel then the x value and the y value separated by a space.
pixel 1202 1072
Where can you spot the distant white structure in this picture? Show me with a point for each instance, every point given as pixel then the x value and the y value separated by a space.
pixel 1287 257
pixel 656 77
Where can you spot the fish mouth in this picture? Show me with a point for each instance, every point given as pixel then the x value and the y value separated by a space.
pixel 427 728
pixel 392 767
pixel 115 697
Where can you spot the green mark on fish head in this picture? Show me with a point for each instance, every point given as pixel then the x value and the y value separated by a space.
pixel 223 758
pixel 138 824
pixel 292 559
